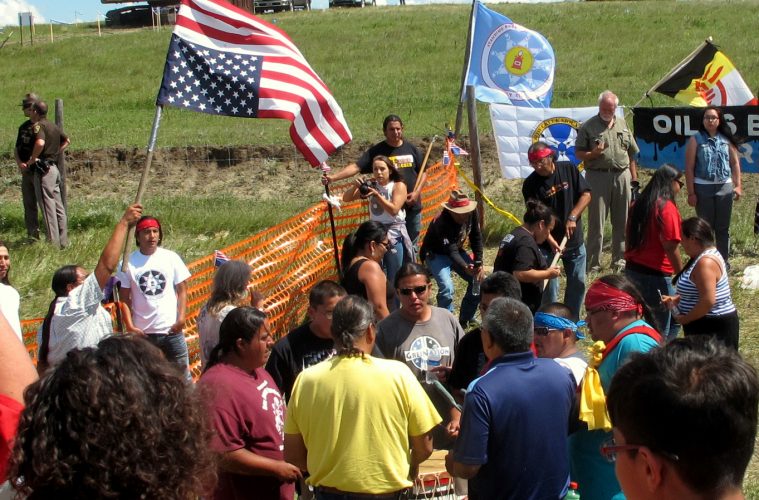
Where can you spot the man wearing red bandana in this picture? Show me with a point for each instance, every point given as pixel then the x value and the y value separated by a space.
pixel 560 186
pixel 620 323
pixel 154 287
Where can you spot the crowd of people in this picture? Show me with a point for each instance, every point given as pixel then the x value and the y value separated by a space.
pixel 349 404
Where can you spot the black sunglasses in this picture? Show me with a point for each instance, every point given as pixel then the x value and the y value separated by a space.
pixel 680 182
pixel 542 331
pixel 417 290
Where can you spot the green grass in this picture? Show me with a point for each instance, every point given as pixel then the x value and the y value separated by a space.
pixel 375 61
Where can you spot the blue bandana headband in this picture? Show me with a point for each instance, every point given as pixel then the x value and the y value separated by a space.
pixel 558 323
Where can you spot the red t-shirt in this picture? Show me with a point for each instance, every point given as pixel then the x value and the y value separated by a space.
pixel 663 225
pixel 247 411
pixel 10 412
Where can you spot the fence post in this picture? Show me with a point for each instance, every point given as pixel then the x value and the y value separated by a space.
pixel 61 155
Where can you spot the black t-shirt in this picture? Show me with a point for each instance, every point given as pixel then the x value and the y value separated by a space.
pixel 25 140
pixel 469 361
pixel 519 252
pixel 560 191
pixel 406 158
pixel 292 354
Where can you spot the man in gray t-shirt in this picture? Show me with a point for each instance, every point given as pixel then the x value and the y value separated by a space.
pixel 422 336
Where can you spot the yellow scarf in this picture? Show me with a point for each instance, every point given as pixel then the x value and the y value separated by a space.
pixel 592 397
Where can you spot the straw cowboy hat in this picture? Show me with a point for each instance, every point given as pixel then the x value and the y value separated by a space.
pixel 459 203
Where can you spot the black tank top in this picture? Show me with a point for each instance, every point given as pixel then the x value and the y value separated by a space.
pixel 354 286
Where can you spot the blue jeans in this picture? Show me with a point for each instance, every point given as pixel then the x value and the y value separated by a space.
pixel 715 205
pixel 650 286
pixel 441 266
pixel 414 227
pixel 174 347
pixel 574 267
pixel 393 260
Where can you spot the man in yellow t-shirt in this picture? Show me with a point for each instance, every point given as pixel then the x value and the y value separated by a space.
pixel 350 419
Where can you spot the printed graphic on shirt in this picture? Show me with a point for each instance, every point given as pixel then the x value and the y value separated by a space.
pixel 403 161
pixel 271 400
pixel 313 358
pixel 425 352
pixel 374 206
pixel 554 190
pixel 152 283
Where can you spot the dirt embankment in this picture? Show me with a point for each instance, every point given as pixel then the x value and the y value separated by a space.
pixel 260 172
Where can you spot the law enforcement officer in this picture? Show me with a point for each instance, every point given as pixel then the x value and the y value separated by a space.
pixel 22 152
pixel 49 141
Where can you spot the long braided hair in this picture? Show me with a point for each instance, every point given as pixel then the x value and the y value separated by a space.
pixel 351 319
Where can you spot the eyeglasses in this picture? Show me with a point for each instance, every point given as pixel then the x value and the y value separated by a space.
pixel 537 163
pixel 542 331
pixel 610 448
pixel 385 244
pixel 711 118
pixel 417 290
pixel 680 183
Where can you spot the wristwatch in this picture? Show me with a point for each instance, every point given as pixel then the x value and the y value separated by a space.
pixel 572 218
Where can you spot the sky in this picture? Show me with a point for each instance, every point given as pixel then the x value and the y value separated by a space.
pixel 65 11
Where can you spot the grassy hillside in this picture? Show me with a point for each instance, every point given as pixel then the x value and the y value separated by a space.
pixel 375 61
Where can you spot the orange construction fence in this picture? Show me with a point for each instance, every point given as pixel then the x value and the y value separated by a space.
pixel 287 260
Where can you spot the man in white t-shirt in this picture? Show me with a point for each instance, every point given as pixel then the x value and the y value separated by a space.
pixel 556 337
pixel 154 287
pixel 9 298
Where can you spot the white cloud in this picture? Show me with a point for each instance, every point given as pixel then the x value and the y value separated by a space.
pixel 9 10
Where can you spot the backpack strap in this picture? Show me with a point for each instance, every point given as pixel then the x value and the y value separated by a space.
pixel 640 329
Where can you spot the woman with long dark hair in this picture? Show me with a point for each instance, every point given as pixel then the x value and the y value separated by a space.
pixel 363 251
pixel 704 305
pixel 651 244
pixel 713 174
pixel 520 255
pixel 386 196
pixel 247 411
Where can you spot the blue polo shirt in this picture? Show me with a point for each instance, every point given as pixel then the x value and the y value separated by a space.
pixel 514 424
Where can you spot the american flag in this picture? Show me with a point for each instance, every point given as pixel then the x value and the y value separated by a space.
pixel 223 60
pixel 219 258
pixel 452 149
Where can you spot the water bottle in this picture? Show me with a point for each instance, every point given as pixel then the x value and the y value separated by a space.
pixel 475 286
pixel 572 494
pixel 429 375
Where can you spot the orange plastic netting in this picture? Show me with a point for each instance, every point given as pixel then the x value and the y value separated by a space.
pixel 287 259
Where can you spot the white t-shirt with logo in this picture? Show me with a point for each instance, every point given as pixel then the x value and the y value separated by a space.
pixel 151 279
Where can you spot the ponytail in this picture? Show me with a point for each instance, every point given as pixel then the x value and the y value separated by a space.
pixel 62 278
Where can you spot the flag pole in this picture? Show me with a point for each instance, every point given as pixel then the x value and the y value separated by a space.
pixel 325 169
pixel 143 180
pixel 467 57
pixel 474 153
pixel 674 70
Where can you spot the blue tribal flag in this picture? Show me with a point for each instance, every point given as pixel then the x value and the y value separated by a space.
pixel 508 63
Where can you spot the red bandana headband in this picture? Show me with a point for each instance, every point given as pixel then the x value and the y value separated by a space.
pixel 539 154
pixel 147 223
pixel 458 202
pixel 602 296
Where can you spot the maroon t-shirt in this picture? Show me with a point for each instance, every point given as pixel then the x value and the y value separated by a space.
pixel 247 411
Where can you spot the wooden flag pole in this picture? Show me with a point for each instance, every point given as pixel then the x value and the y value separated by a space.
pixel 143 181
pixel 467 57
pixel 556 257
pixel 424 163
pixel 474 152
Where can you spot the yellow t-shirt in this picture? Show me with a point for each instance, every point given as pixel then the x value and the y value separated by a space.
pixel 356 416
